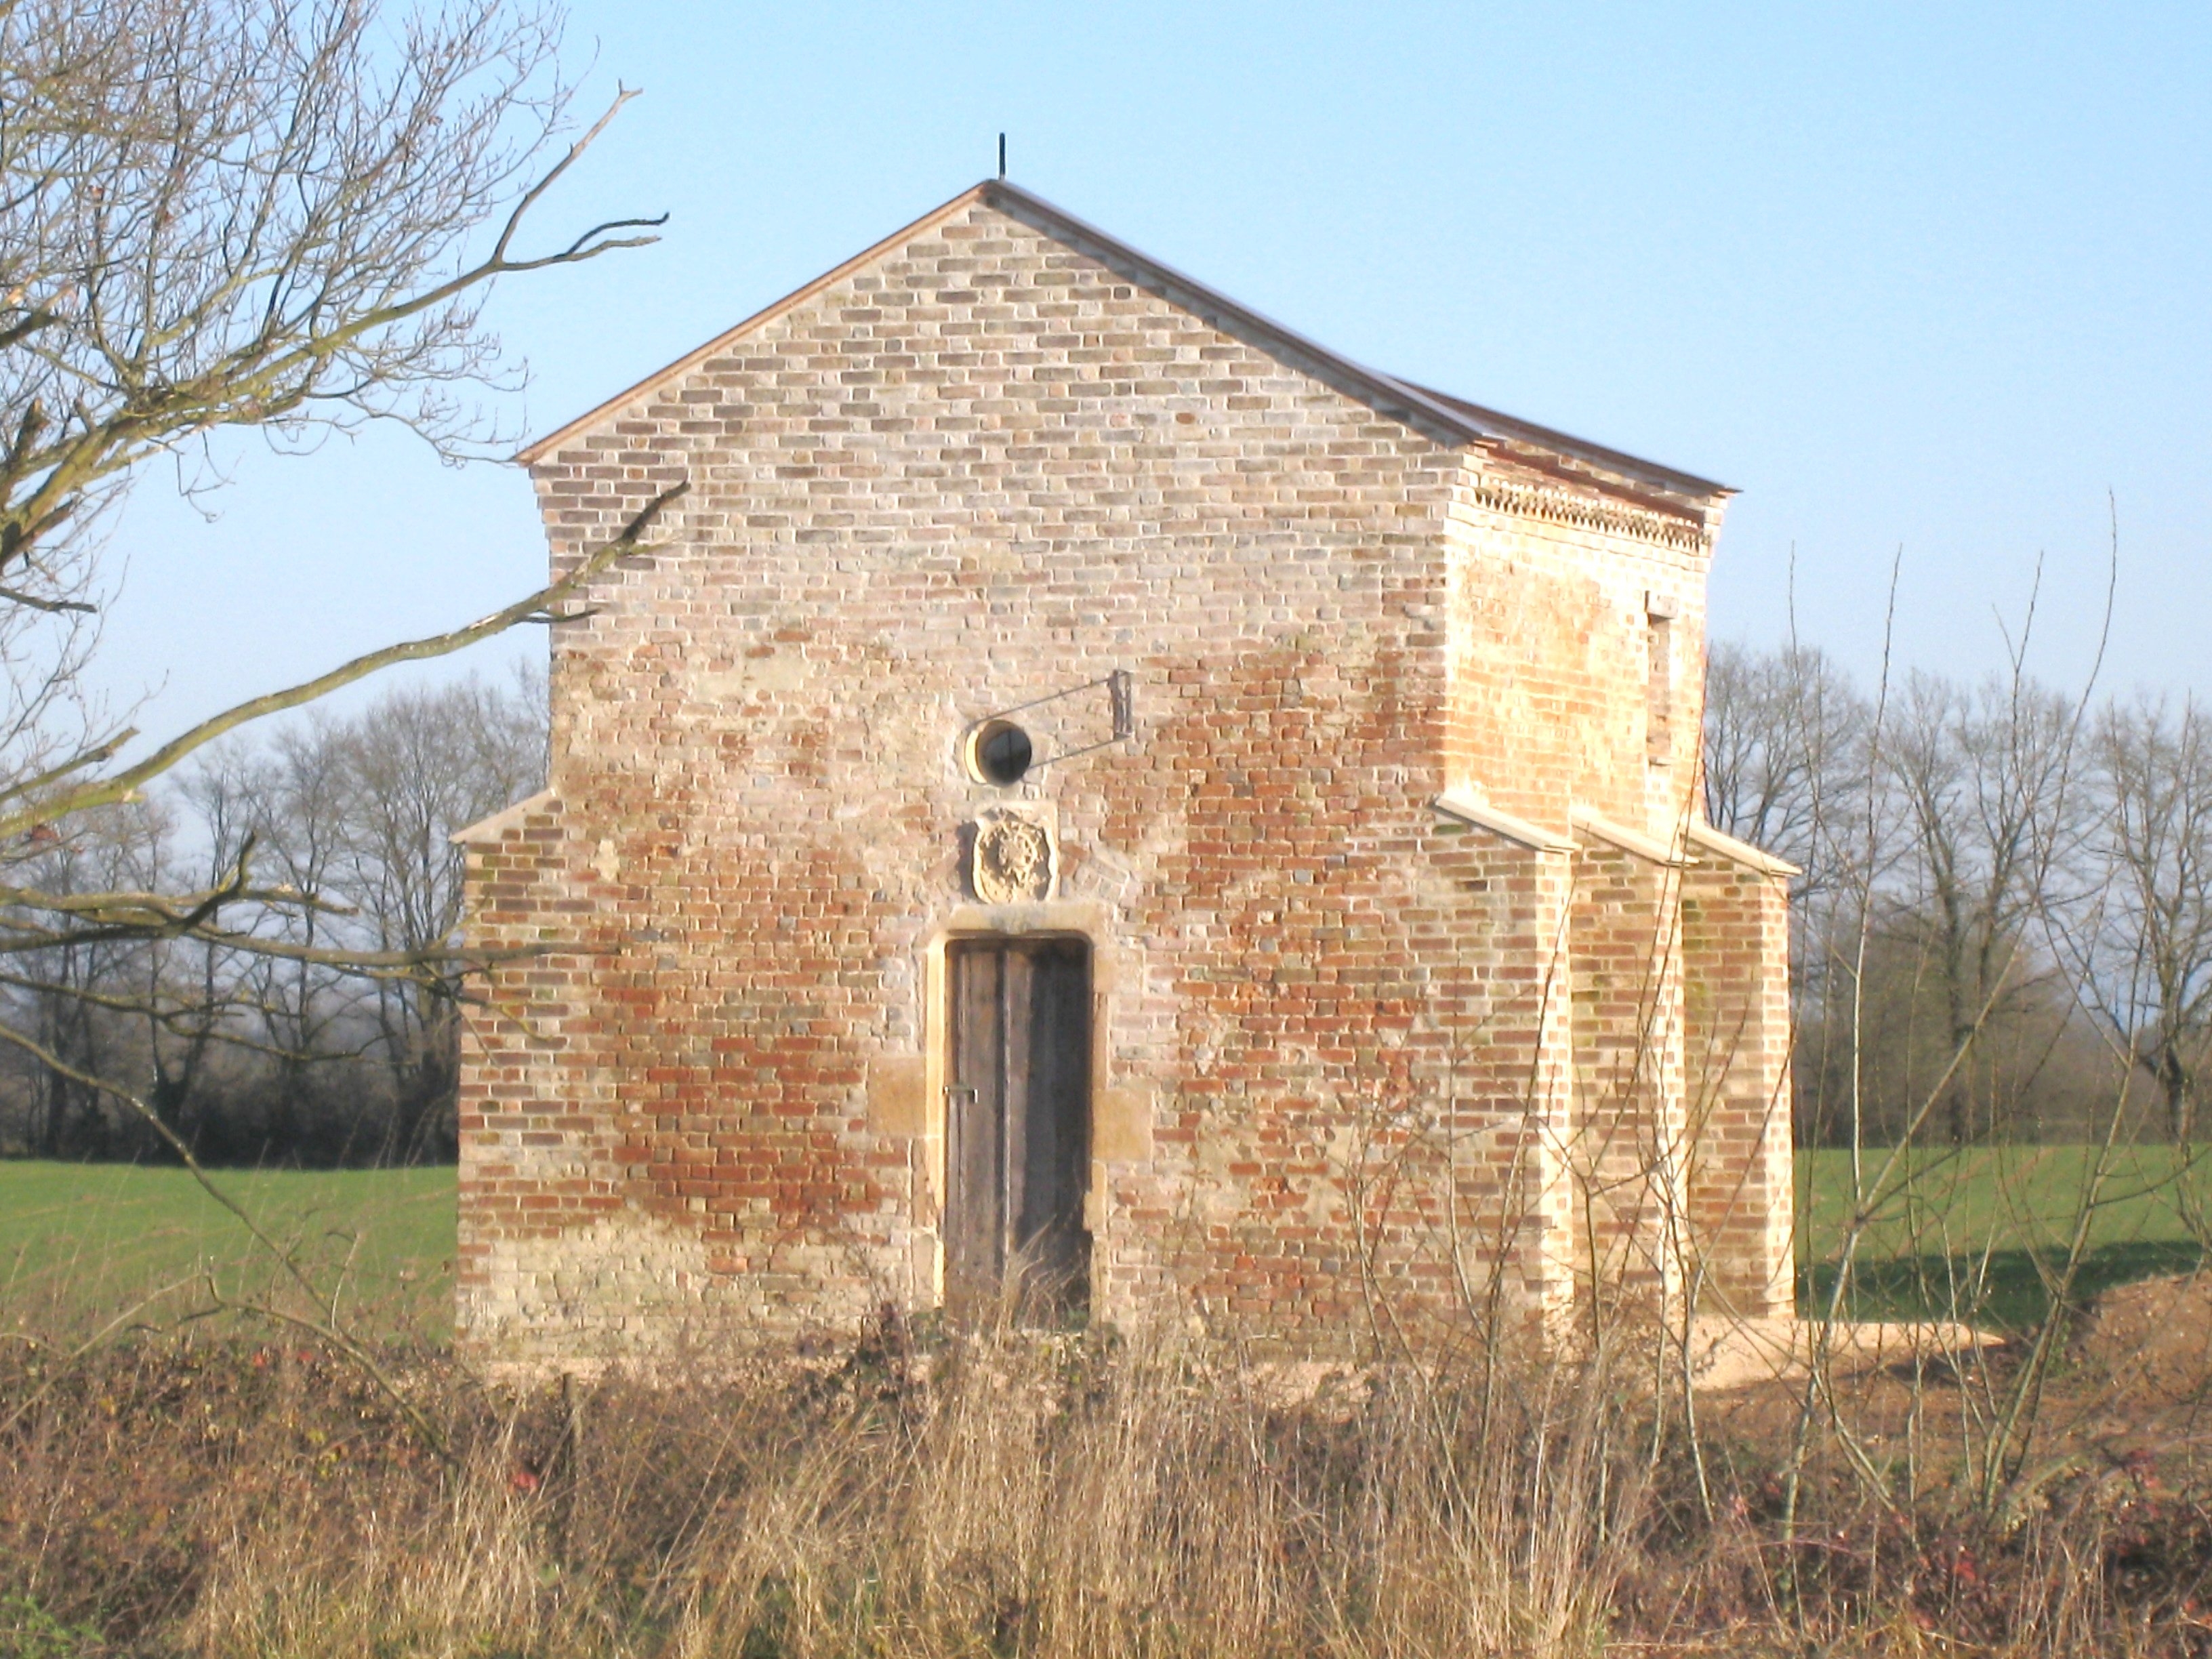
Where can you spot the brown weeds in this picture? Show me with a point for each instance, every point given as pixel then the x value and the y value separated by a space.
pixel 1011 1494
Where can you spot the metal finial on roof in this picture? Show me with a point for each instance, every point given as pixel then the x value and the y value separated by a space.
pixel 1002 155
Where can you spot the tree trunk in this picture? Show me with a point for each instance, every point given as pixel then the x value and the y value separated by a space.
pixel 2180 1103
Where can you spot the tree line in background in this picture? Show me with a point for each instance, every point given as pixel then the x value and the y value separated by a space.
pixel 281 219
pixel 2003 928
pixel 283 1045
pixel 2005 910
pixel 285 217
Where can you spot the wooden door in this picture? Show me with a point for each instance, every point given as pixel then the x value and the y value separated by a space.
pixel 1017 1126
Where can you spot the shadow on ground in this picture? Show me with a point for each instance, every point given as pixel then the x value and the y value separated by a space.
pixel 2009 1290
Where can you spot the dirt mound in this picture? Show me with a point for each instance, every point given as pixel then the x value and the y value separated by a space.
pixel 2151 1341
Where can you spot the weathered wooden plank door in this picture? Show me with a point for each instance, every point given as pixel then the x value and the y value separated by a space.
pixel 1017 1125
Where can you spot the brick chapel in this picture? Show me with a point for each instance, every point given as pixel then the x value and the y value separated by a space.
pixel 1094 800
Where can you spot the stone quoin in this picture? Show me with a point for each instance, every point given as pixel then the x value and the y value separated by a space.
pixel 1090 794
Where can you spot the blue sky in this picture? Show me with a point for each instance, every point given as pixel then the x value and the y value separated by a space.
pixel 1909 277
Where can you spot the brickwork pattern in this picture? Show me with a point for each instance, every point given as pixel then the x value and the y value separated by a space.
pixel 1628 1128
pixel 1736 932
pixel 980 473
pixel 1550 660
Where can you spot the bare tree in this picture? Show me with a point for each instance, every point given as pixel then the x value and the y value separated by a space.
pixel 421 765
pixel 1787 767
pixel 1785 758
pixel 262 1045
pixel 2154 766
pixel 251 212
pixel 299 800
pixel 69 991
pixel 279 215
pixel 1984 783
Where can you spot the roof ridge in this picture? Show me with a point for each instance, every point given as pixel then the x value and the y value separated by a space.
pixel 1497 425
pixel 1391 396
pixel 1437 408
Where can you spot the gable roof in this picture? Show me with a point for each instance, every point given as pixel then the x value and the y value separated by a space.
pixel 1399 399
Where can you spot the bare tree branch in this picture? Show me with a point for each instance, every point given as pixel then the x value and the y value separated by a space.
pixel 121 785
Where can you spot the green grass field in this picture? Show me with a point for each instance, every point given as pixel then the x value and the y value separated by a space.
pixel 1980 1232
pixel 81 1243
pixel 1977 1232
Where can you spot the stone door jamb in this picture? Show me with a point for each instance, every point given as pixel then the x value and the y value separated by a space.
pixel 1084 919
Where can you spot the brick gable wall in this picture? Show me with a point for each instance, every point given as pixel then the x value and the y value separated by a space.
pixel 984 473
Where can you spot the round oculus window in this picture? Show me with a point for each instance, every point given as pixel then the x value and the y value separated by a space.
pixel 999 752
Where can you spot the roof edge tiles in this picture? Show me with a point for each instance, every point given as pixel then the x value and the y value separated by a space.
pixel 501 822
pixel 1705 837
pixel 1468 808
pixel 532 452
pixel 1511 429
pixel 1398 399
pixel 1620 835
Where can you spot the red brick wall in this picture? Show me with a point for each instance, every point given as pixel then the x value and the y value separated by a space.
pixel 989 468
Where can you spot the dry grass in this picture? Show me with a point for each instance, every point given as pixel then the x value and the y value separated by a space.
pixel 1014 1494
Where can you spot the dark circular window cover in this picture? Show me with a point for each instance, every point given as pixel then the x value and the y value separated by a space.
pixel 999 752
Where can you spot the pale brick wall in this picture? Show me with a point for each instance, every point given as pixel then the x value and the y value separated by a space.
pixel 1628 1151
pixel 1736 930
pixel 1550 652
pixel 990 465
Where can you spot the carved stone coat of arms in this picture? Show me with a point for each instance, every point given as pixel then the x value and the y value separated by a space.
pixel 1014 860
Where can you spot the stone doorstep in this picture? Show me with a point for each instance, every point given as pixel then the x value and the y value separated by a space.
pixel 1728 1353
